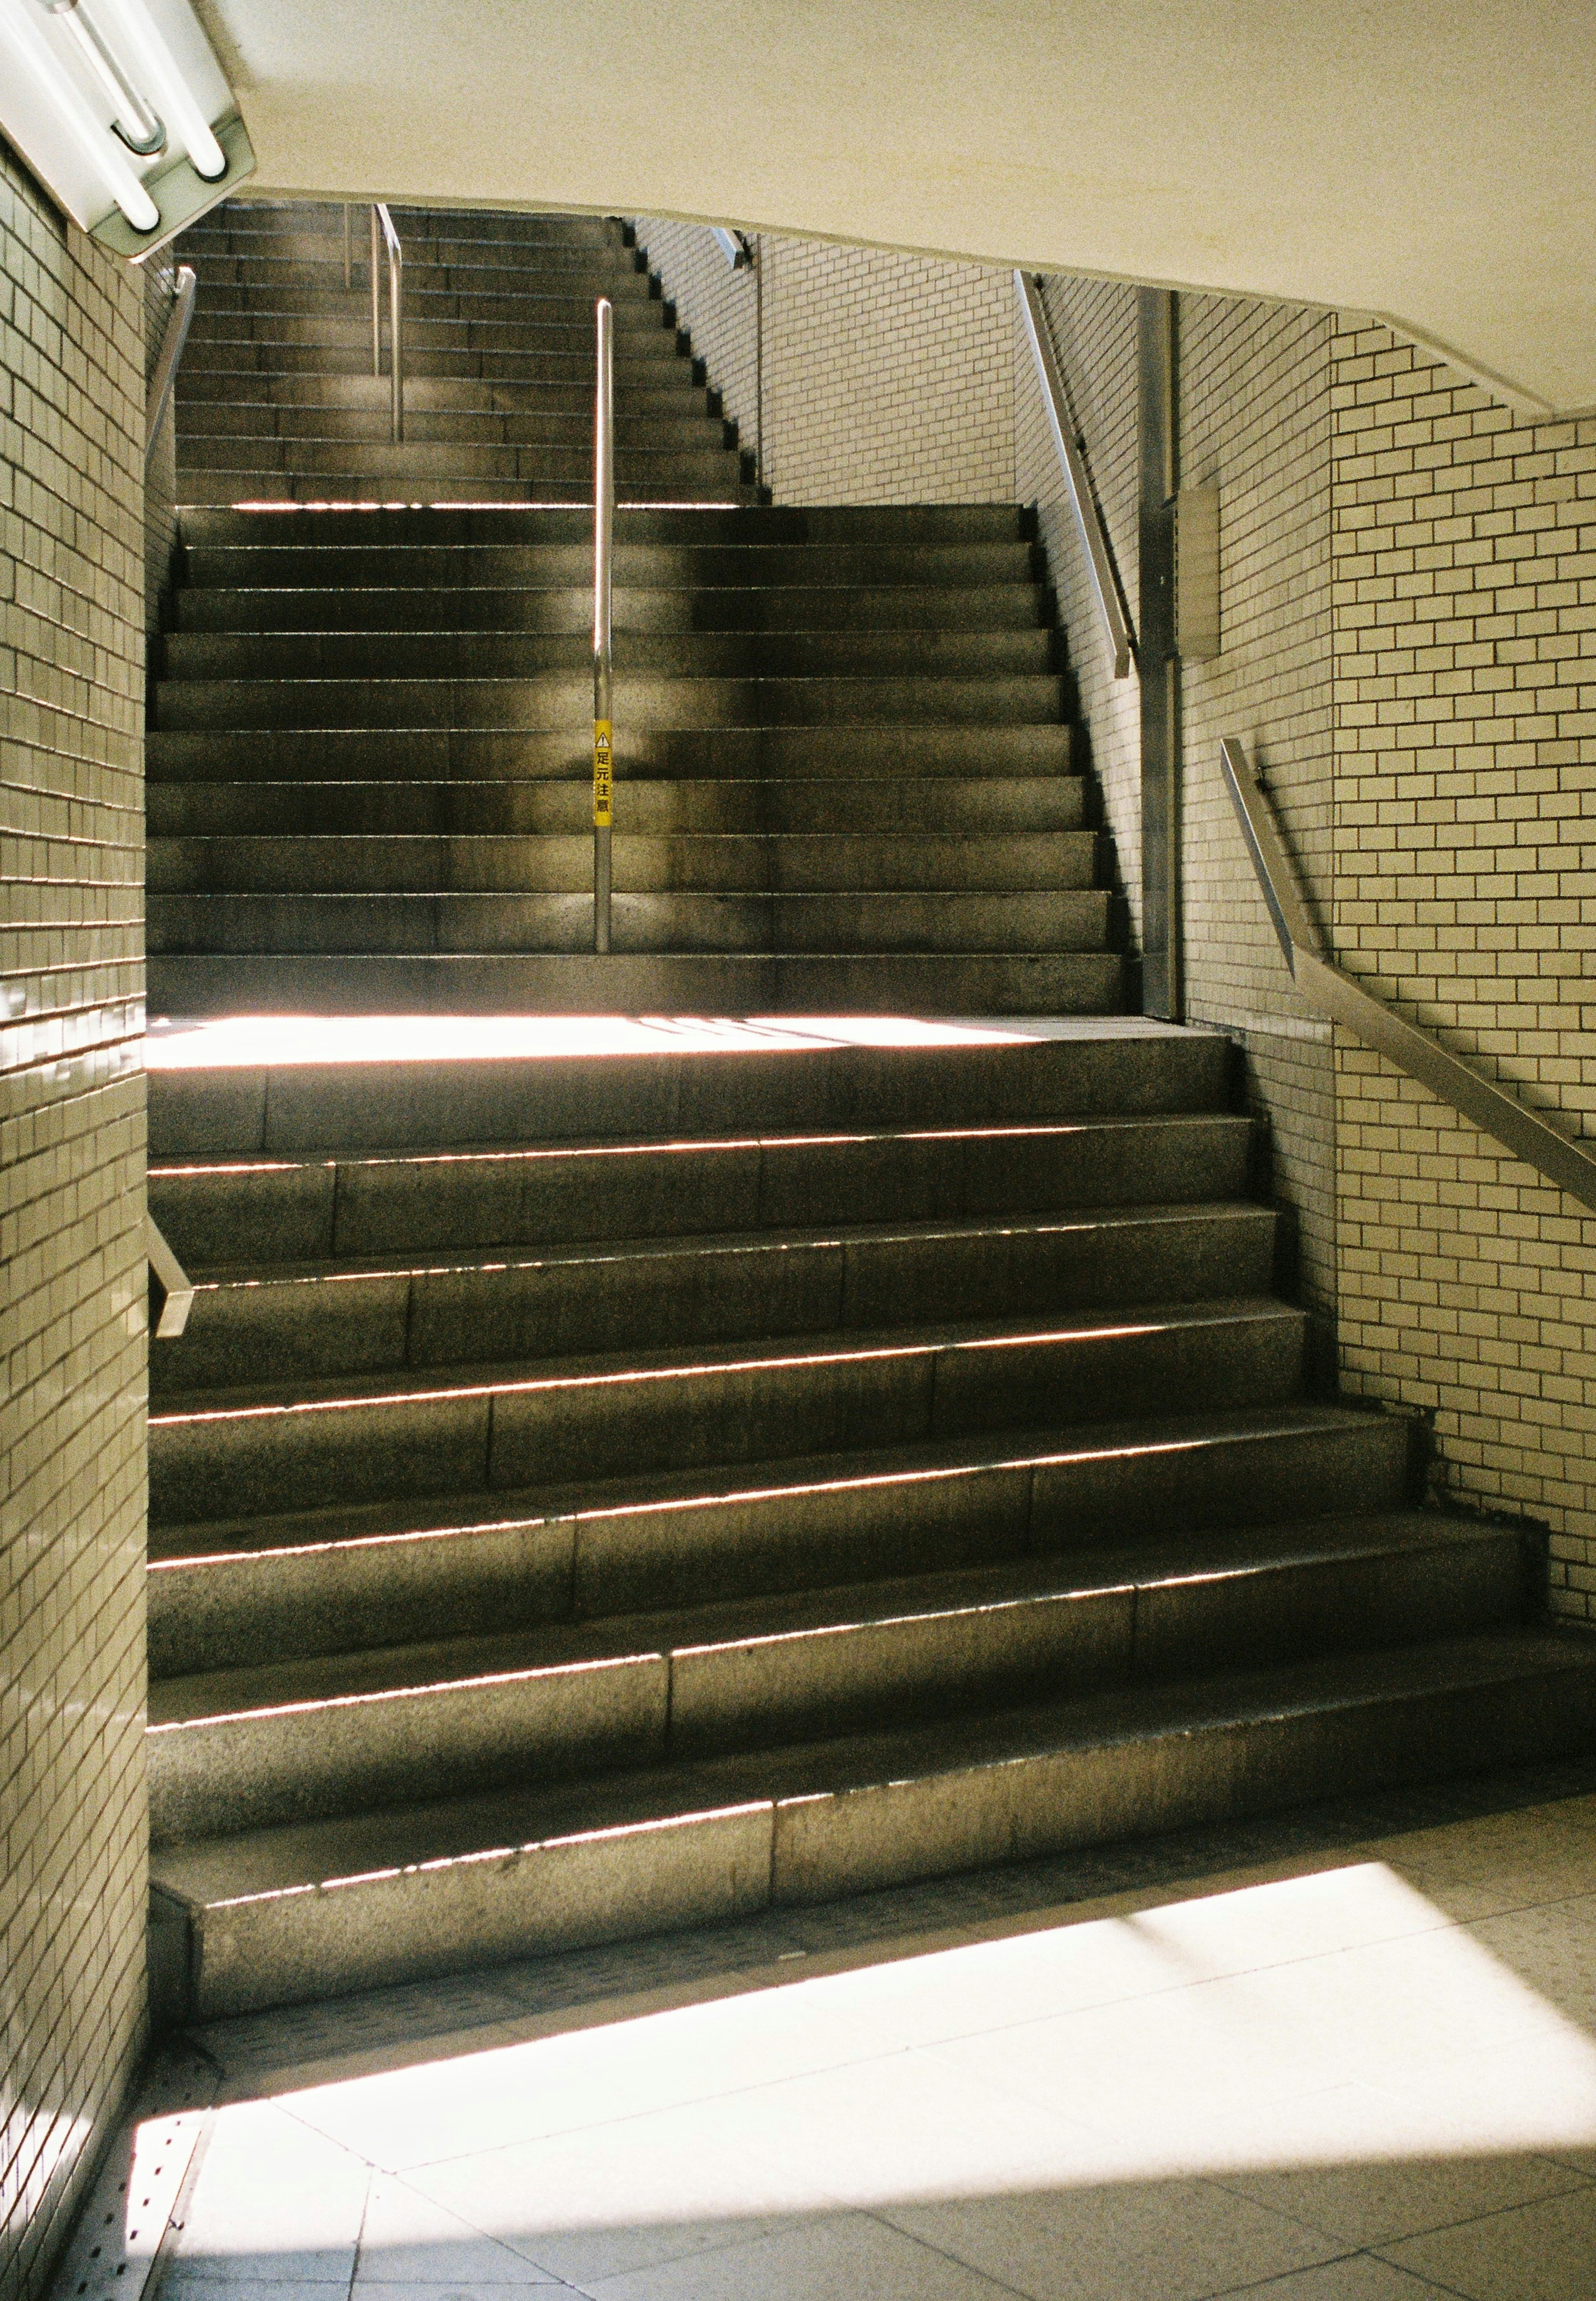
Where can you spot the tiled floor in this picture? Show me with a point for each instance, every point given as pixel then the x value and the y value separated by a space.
pixel 1359 2068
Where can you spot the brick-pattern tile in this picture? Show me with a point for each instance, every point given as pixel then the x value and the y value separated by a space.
pixel 887 378
pixel 1464 560
pixel 72 1196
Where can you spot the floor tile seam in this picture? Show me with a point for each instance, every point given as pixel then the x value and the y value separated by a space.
pixel 883 2219
pixel 1280 2280
pixel 1229 2178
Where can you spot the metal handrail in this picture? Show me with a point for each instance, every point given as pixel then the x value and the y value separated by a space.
pixel 1339 998
pixel 172 1290
pixel 604 533
pixel 383 230
pixel 1116 623
pixel 736 246
pixel 173 341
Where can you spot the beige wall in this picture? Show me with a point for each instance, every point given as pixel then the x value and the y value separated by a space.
pixel 1464 548
pixel 71 1198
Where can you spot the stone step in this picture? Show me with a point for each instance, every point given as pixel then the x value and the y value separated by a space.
pixel 563 330
pixel 365 491
pixel 306 1911
pixel 1039 805
pixel 283 1585
pixel 921 527
pixel 469 1428
pixel 758 983
pixel 699 925
pixel 919 866
pixel 296 1210
pixel 215 1104
pixel 661 461
pixel 458 572
pixel 290 657
pixel 886 755
pixel 204 394
pixel 561 607
pixel 657 365
pixel 325 1320
pixel 555 698
pixel 289 432
pixel 248 306
pixel 252 1747
pixel 316 267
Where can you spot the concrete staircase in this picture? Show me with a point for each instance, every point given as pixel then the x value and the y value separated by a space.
pixel 600 1495
pixel 277 401
pixel 843 767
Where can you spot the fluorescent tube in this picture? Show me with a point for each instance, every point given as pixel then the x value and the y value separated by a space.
pixel 187 124
pixel 134 120
pixel 27 41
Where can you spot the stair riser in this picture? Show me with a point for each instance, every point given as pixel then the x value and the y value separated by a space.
pixel 218 1465
pixel 413 462
pixel 336 569
pixel 346 1327
pixel 231 1609
pixel 918 527
pixel 853 755
pixel 900 865
pixel 433 1106
pixel 315 490
pixel 584 1890
pixel 285 431
pixel 206 394
pixel 691 925
pixel 916 607
pixel 1041 807
pixel 301 1213
pixel 206 656
pixel 560 700
pixel 432 299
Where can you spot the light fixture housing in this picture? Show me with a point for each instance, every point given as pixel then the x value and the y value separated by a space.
pixel 63 116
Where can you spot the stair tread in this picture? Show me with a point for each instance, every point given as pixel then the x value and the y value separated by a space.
pixel 455 1663
pixel 493 1256
pixel 403 1520
pixel 290 1858
pixel 619 1366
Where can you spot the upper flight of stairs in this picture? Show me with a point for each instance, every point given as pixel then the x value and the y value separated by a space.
pixel 276 400
pixel 600 1495
pixel 844 771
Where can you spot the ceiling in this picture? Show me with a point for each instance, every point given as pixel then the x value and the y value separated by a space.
pixel 1431 163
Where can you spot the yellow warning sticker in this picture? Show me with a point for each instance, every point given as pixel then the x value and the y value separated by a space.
pixel 602 787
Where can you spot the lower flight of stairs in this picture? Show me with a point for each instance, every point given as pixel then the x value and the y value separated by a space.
pixel 844 772
pixel 600 1495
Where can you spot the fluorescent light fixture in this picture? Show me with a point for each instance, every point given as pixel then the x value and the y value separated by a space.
pixel 150 52
pixel 122 112
pixel 30 53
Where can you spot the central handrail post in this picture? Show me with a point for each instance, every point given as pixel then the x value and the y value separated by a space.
pixel 376 293
pixel 603 529
pixel 384 236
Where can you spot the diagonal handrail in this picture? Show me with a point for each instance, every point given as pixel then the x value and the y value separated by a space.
pixel 169 358
pixel 1099 559
pixel 385 241
pixel 171 1291
pixel 1339 998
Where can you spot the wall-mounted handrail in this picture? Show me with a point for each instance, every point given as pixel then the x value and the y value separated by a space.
pixel 171 1291
pixel 604 531
pixel 386 239
pixel 1099 559
pixel 736 246
pixel 1339 998
pixel 169 358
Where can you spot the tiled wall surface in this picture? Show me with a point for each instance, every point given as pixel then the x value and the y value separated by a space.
pixel 1254 417
pixel 1464 544
pixel 887 378
pixel 72 1204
